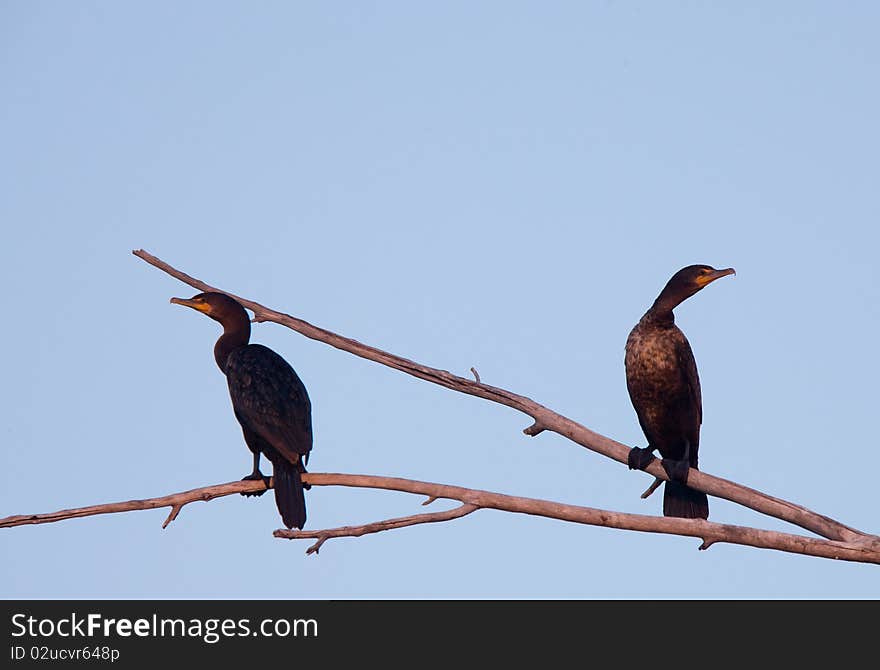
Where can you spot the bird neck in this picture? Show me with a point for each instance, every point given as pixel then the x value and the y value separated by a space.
pixel 236 334
pixel 661 313
pixel 670 298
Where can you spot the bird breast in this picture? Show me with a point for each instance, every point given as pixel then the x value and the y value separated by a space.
pixel 652 362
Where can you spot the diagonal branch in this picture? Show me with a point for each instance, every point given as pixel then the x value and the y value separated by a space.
pixel 544 418
pixel 862 550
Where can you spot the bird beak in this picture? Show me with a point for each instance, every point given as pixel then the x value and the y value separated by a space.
pixel 200 306
pixel 712 276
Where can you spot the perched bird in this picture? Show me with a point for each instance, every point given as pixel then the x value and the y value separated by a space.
pixel 664 387
pixel 269 400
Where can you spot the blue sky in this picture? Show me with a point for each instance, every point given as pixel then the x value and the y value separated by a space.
pixel 499 185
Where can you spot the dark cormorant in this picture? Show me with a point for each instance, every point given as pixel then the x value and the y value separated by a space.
pixel 661 376
pixel 269 400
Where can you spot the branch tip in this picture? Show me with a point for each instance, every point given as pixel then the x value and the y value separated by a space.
pixel 429 500
pixel 476 375
pixel 316 547
pixel 172 515
pixel 535 429
pixel 653 487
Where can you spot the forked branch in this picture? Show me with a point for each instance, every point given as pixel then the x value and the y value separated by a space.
pixel 544 418
pixel 375 527
pixel 473 499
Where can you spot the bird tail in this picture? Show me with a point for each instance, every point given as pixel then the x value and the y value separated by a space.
pixel 289 496
pixel 682 501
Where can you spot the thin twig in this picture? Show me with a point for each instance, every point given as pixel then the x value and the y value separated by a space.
pixel 172 515
pixel 175 501
pixel 544 418
pixel 375 527
pixel 653 487
pixel 476 375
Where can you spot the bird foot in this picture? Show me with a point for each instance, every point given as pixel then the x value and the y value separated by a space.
pixel 255 477
pixel 677 470
pixel 303 471
pixel 639 458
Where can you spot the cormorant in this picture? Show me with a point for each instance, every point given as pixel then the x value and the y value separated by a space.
pixel 269 400
pixel 664 387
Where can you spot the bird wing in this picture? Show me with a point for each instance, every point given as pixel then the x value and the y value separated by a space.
pixel 635 396
pixel 270 400
pixel 688 367
pixel 693 417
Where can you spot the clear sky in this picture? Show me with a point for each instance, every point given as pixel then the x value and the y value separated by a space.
pixel 503 185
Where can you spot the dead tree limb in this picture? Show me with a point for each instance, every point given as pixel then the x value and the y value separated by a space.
pixel 544 418
pixel 175 501
pixel 862 550
pixel 474 499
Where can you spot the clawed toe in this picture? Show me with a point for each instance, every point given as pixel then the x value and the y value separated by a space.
pixel 254 477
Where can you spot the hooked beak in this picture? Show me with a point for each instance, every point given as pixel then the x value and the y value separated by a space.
pixel 712 276
pixel 199 306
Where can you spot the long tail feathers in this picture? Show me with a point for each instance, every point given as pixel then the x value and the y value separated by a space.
pixel 289 496
pixel 681 501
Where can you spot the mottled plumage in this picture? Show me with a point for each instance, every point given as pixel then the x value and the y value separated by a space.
pixel 664 387
pixel 663 384
pixel 269 400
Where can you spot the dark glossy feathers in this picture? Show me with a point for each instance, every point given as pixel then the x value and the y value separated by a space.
pixel 270 402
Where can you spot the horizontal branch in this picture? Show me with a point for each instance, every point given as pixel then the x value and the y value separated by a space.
pixel 544 418
pixel 861 550
pixel 472 499
pixel 175 501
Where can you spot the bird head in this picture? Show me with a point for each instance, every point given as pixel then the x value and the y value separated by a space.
pixel 218 306
pixel 688 281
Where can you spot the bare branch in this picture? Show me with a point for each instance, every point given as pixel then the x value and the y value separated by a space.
pixel 175 501
pixel 544 418
pixel 476 374
pixel 863 550
pixel 375 527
